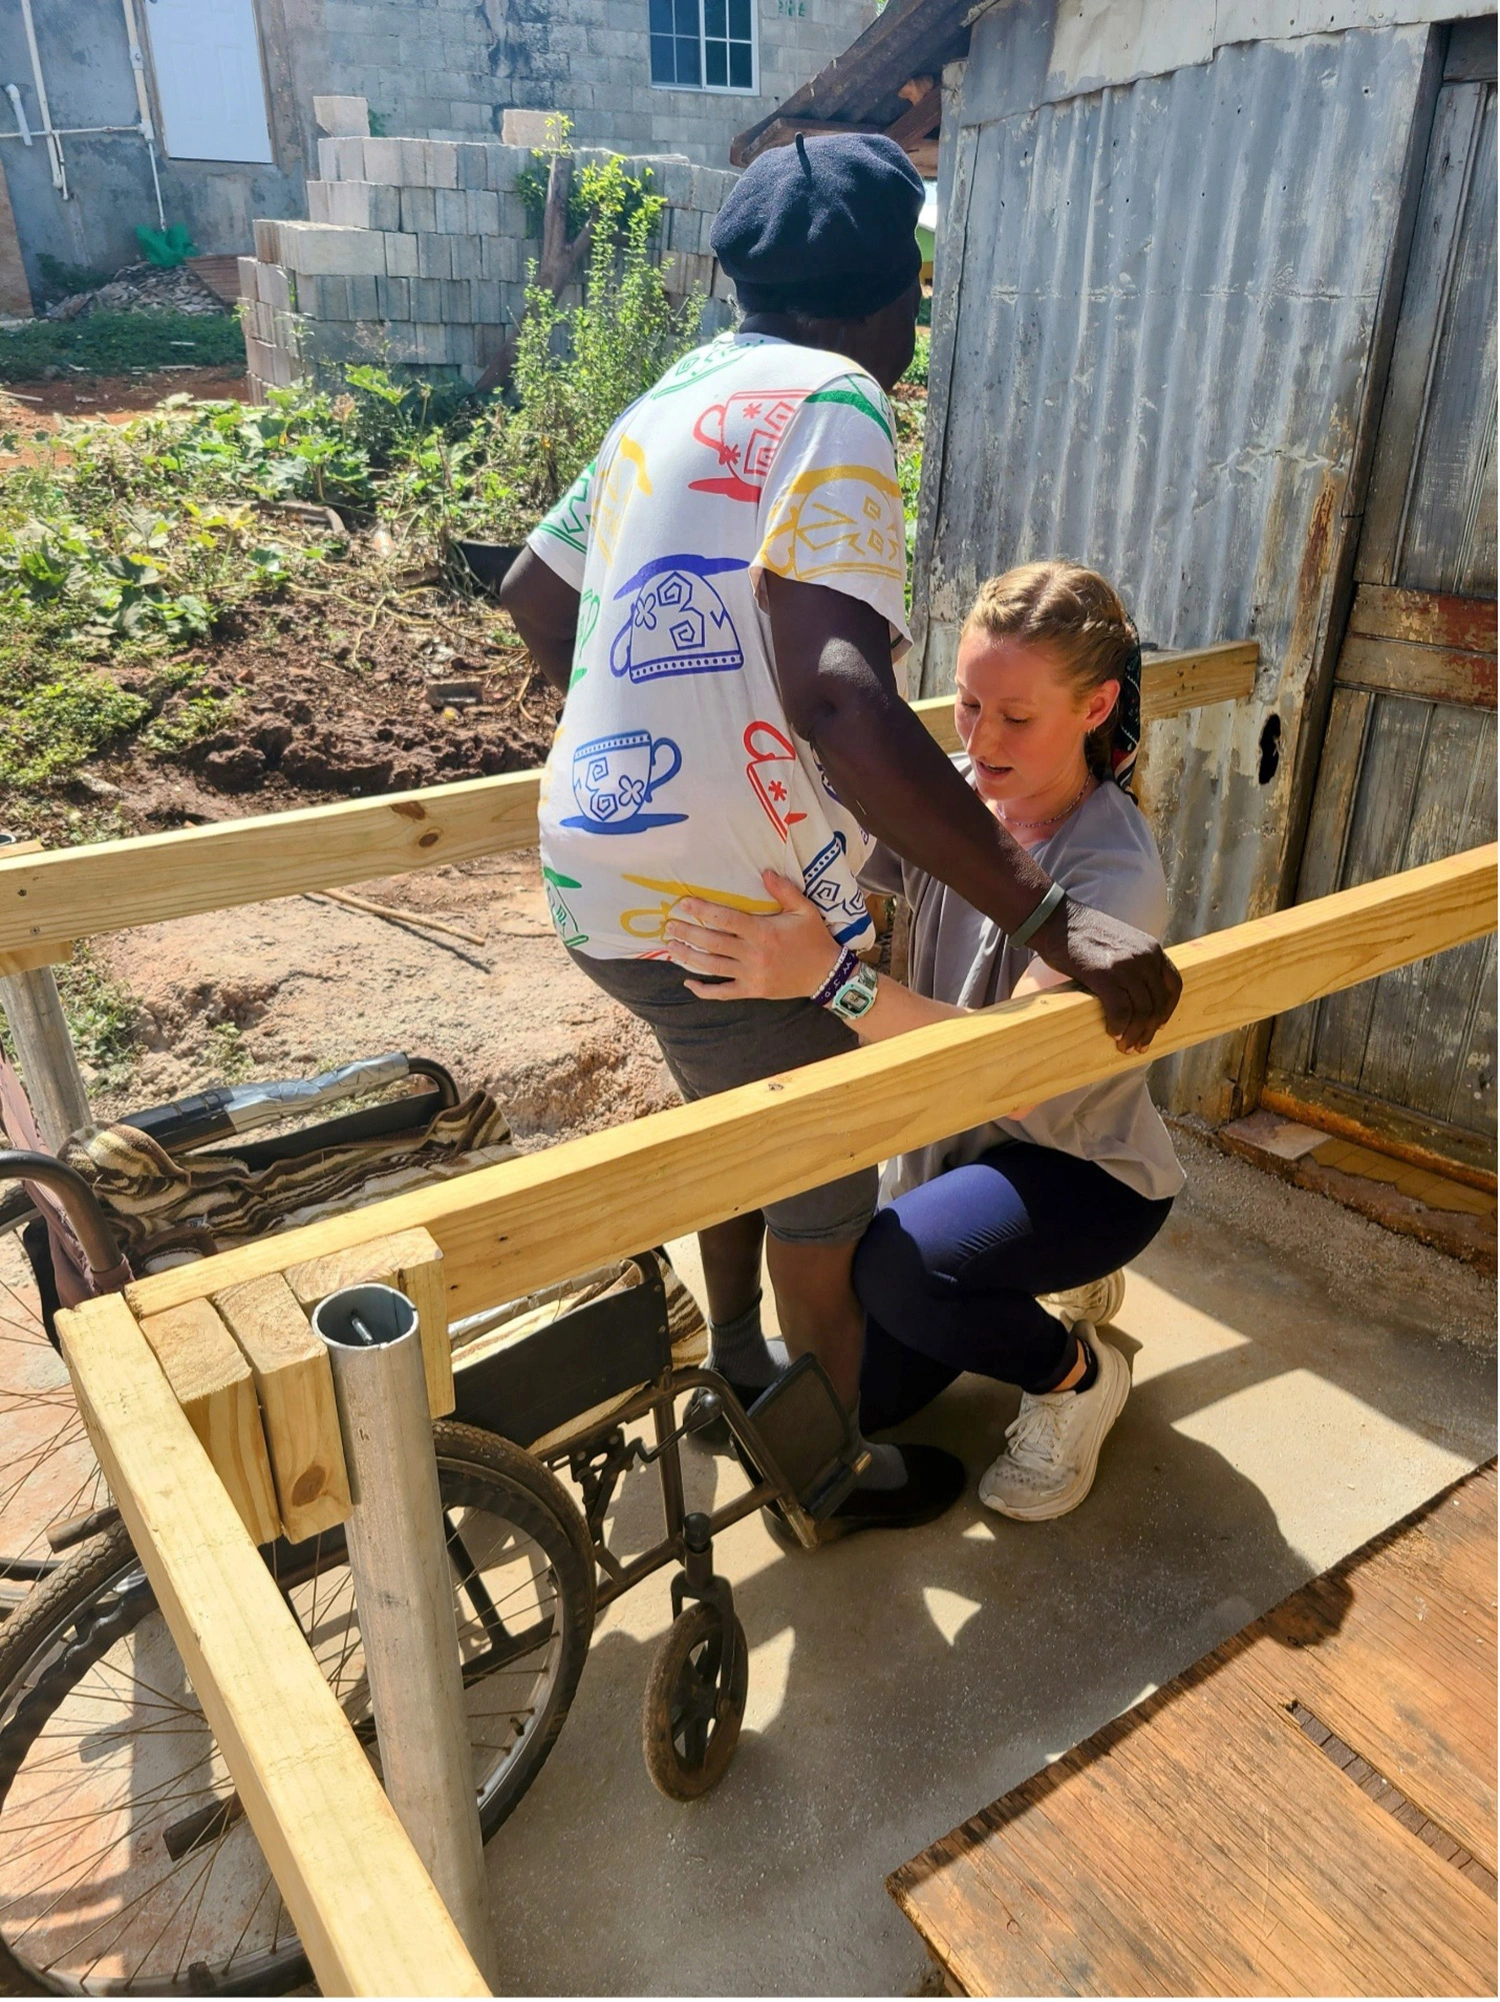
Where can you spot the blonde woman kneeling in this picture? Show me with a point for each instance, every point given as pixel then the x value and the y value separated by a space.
pixel 1051 1202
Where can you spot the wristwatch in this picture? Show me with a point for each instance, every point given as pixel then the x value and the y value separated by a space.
pixel 856 996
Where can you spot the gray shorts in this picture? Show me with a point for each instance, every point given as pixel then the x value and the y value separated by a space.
pixel 712 1046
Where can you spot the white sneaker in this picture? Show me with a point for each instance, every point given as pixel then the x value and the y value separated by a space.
pixel 1052 1449
pixel 1097 1303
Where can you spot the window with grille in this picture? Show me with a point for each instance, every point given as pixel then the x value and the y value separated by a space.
pixel 703 44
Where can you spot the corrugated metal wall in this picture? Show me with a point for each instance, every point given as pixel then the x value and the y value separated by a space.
pixel 1150 352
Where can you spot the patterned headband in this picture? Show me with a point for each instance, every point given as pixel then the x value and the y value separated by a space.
pixel 1127 718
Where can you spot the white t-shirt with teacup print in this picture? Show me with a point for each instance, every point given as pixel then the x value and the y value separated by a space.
pixel 675 771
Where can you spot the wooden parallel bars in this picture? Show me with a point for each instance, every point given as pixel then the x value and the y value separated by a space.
pixel 49 901
pixel 367 1913
pixel 507 1230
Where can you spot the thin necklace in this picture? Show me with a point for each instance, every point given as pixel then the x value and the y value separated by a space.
pixel 1053 818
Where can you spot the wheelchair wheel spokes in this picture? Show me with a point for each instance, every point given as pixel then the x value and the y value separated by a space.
pixel 102 1747
pixel 126 1861
pixel 48 1473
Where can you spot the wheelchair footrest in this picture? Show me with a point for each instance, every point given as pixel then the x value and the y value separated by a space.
pixel 811 1437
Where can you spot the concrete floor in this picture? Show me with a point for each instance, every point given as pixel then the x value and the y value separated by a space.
pixel 1302 1379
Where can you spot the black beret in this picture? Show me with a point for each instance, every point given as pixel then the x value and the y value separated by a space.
pixel 825 227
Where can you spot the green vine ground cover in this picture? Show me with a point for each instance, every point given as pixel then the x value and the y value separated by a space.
pixel 130 553
pixel 105 343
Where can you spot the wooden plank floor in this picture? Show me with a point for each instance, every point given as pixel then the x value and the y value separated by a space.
pixel 1309 1810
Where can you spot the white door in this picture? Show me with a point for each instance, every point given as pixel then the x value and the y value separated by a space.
pixel 208 79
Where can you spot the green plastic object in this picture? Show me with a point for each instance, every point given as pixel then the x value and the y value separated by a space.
pixel 166 248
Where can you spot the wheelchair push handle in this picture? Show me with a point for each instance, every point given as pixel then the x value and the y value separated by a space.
pixel 228 1109
pixel 108 1270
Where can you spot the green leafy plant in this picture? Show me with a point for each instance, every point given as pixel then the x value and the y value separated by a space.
pixel 198 717
pixel 578 367
pixel 229 1062
pixel 103 1016
pixel 49 728
pixel 64 281
pixel 115 343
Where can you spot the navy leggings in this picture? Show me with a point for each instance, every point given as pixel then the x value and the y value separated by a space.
pixel 948 1274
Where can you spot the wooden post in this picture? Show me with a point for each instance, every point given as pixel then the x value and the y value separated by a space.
pixel 403 1587
pixel 49 1063
pixel 364 1908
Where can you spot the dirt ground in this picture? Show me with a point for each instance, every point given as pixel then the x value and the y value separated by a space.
pixel 334 698
pixel 297 986
pixel 116 397
pixel 366 673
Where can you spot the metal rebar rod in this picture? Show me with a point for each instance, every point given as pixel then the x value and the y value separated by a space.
pixel 403 1587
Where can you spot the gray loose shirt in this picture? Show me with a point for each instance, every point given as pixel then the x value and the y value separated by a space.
pixel 1104 855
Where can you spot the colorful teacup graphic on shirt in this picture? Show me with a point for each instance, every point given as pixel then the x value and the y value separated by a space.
pixel 568 928
pixel 651 920
pixel 694 366
pixel 569 520
pixel 772 767
pixel 588 619
pixel 614 776
pixel 623 478
pixel 838 520
pixel 678 623
pixel 840 902
pixel 743 432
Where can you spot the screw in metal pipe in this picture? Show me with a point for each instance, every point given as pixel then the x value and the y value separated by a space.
pixel 403 1587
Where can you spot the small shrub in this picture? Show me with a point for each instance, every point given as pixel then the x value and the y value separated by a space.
pixel 229 1062
pixel 103 1016
pixel 578 368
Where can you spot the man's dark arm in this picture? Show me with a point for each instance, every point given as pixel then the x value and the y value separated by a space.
pixel 832 656
pixel 545 612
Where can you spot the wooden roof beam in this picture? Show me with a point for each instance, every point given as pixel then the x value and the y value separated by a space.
pixel 924 117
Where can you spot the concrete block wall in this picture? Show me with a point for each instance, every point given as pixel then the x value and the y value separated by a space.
pixel 446 68
pixel 417 253
pixel 591 59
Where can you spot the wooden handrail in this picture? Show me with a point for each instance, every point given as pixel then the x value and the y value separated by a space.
pixel 366 1911
pixel 525 1223
pixel 50 901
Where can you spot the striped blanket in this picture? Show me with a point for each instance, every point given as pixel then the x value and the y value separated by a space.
pixel 164 1208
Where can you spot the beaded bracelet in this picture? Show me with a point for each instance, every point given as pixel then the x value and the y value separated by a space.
pixel 844 968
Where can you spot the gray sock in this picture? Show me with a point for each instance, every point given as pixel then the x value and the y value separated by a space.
pixel 887 1468
pixel 739 1350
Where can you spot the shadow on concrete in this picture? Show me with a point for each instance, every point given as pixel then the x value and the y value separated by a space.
pixel 1290 1401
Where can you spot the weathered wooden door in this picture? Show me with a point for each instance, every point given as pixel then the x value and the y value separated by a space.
pixel 1407 773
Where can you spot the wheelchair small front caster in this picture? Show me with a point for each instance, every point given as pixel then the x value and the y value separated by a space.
pixel 690 1721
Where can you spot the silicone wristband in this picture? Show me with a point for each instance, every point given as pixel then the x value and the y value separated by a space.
pixel 843 970
pixel 1023 934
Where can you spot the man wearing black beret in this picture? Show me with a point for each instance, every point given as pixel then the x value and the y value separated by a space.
pixel 722 598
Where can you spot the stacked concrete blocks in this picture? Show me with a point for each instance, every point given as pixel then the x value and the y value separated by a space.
pixel 416 253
